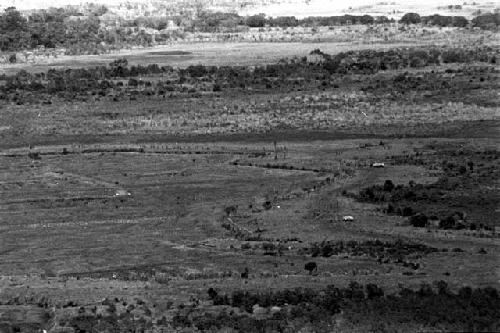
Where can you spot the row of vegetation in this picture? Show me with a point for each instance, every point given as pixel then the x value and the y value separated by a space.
pixel 433 307
pixel 394 251
pixel 86 32
pixel 304 72
pixel 290 310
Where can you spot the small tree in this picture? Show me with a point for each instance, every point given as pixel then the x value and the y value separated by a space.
pixel 447 223
pixel 388 185
pixel 418 220
pixel 407 211
pixel 355 291
pixel 373 291
pixel 311 267
pixel 216 87
pixel 212 293
pixel 256 21
pixel 230 210
pixel 411 18
pixel 442 288
pixel 390 209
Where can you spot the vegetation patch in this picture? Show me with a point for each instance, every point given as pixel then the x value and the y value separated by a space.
pixel 460 199
pixel 375 249
pixel 434 308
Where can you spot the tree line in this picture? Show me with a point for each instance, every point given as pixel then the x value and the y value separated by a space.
pixel 91 34
pixel 485 21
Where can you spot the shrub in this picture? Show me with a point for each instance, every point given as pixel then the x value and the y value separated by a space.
pixel 390 209
pixel 197 71
pixel 34 155
pixel 418 220
pixel 455 56
pixel 487 21
pixel 230 210
pixel 407 211
pixel 268 246
pixel 212 293
pixel 373 291
pixel 311 267
pixel 447 223
pixel 133 82
pixel 388 185
pixel 410 18
pixel 256 21
pixel 355 291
